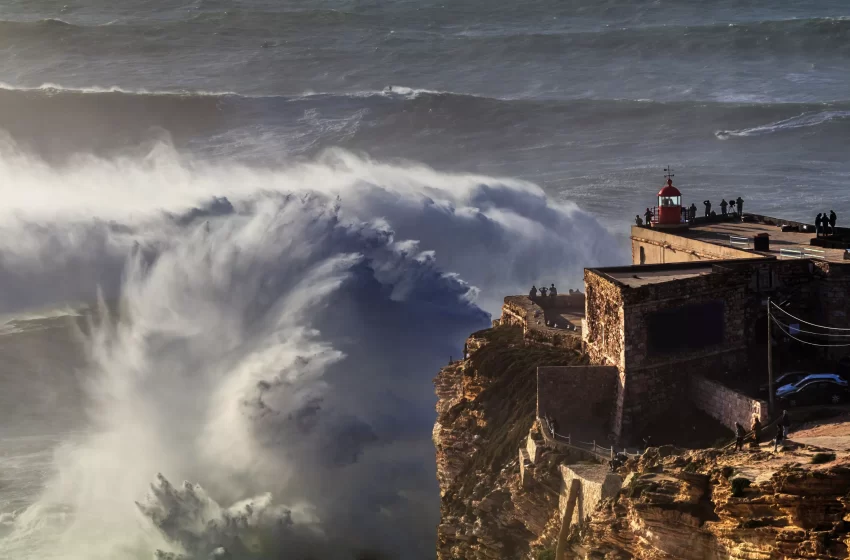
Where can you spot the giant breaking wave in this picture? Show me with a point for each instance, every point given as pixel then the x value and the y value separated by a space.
pixel 269 336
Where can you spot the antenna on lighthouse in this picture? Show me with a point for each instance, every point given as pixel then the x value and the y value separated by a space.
pixel 668 172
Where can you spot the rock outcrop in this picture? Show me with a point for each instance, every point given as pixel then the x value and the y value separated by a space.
pixel 714 505
pixel 485 413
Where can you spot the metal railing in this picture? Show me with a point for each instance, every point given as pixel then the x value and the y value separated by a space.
pixel 814 253
pixel 683 216
pixel 601 453
pixel 802 253
pixel 740 242
pixel 790 254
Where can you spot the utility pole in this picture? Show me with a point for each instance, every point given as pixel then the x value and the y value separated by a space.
pixel 770 391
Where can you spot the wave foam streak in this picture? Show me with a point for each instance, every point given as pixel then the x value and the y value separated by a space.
pixel 274 347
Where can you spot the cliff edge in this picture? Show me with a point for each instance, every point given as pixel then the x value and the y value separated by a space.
pixel 485 412
pixel 707 504
pixel 722 505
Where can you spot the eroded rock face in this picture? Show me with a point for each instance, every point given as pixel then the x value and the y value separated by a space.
pixel 677 505
pixel 485 413
pixel 690 507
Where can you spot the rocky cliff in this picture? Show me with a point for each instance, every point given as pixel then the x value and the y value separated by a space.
pixel 713 505
pixel 485 411
pixel 700 505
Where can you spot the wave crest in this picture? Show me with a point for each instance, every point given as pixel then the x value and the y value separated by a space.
pixel 280 343
pixel 804 120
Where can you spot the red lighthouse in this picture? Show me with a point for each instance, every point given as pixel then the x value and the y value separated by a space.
pixel 669 212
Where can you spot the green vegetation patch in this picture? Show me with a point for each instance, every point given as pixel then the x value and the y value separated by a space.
pixel 546 554
pixel 820 458
pixel 740 484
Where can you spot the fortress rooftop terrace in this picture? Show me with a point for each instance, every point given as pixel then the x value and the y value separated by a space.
pixel 741 235
pixel 724 238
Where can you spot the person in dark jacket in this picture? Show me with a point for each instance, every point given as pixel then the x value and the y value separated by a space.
pixel 638 220
pixel 552 291
pixel 756 429
pixel 543 291
pixel 723 205
pixel 785 420
pixel 740 202
pixel 780 436
pixel 825 221
pixel 818 225
pixel 707 204
pixel 739 437
pixel 692 212
pixel 647 217
pixel 832 218
pixel 533 293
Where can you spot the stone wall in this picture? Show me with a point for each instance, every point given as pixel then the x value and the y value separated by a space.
pixel 834 303
pixel 724 404
pixel 531 316
pixel 603 320
pixel 579 398
pixel 652 390
pixel 661 247
pixel 595 484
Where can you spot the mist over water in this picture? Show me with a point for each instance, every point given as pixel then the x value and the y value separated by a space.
pixel 274 344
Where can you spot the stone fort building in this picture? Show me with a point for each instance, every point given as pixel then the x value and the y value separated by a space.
pixel 687 321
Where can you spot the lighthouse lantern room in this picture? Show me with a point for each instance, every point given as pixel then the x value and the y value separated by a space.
pixel 669 204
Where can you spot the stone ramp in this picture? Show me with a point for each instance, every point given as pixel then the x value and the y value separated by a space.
pixel 584 486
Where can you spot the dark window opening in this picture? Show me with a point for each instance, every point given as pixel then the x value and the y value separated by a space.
pixel 686 328
pixel 642 255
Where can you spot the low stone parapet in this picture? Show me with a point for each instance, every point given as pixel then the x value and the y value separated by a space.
pixel 563 313
pixel 596 483
pixel 726 405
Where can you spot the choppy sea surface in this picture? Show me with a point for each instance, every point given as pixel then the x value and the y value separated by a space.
pixel 240 237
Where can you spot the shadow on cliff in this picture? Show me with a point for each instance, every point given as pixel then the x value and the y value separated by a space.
pixel 508 404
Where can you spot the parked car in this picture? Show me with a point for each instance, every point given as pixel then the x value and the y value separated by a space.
pixel 837 379
pixel 786 379
pixel 815 392
pixel 843 367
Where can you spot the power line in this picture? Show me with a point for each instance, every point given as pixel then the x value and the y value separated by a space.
pixel 799 330
pixel 781 327
pixel 807 322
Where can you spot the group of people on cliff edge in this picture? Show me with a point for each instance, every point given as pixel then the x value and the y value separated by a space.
pixel 726 208
pixel 544 292
pixel 825 223
pixel 782 426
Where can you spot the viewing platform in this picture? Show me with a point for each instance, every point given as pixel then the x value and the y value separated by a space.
pixel 545 319
pixel 782 244
pixel 731 238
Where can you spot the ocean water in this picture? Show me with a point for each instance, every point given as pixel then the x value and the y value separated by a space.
pixel 240 237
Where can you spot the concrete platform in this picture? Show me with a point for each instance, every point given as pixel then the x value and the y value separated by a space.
pixel 718 233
